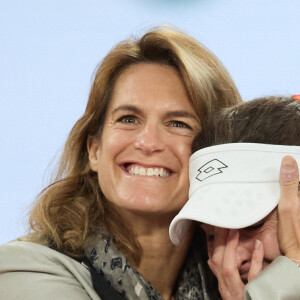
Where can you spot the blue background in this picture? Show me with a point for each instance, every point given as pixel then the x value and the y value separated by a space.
pixel 49 50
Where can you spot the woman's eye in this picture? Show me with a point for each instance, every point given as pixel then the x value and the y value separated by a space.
pixel 128 119
pixel 180 124
pixel 254 227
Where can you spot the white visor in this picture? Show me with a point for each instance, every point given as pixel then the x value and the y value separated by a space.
pixel 232 185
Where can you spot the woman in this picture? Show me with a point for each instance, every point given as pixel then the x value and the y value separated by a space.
pixel 249 140
pixel 122 177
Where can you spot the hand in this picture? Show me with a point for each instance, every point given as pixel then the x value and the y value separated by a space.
pixel 289 209
pixel 224 264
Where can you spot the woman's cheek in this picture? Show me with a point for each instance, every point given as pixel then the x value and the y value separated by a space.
pixel 271 245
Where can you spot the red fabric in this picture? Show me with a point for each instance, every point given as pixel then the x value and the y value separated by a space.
pixel 296 97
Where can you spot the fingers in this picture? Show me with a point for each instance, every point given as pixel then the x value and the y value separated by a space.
pixel 256 261
pixel 289 209
pixel 221 235
pixel 223 264
pixel 216 259
pixel 230 269
pixel 212 267
pixel 289 178
pixel 289 171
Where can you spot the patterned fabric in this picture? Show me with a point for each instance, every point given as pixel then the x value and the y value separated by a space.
pixel 111 263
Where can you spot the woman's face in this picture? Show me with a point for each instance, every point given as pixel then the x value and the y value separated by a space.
pixel 142 157
pixel 265 231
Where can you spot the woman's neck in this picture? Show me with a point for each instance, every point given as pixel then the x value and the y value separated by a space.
pixel 161 261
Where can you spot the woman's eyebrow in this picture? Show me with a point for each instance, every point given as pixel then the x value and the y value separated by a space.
pixel 127 107
pixel 181 113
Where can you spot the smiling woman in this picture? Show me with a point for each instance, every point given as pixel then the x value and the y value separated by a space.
pixel 122 177
pixel 155 100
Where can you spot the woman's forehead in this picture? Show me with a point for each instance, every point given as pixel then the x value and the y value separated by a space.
pixel 149 84
pixel 272 216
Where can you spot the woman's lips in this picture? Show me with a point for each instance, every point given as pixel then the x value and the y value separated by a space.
pixel 136 169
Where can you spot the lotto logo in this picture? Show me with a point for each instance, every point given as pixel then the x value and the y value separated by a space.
pixel 211 168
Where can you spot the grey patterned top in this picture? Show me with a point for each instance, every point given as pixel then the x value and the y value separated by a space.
pixel 194 283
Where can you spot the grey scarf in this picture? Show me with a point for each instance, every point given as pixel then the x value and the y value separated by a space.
pixel 111 263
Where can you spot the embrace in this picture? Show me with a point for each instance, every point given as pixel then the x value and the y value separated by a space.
pixel 100 230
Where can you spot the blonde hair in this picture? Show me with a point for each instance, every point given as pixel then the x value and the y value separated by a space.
pixel 73 205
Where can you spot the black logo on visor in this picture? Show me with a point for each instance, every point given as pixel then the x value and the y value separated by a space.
pixel 211 168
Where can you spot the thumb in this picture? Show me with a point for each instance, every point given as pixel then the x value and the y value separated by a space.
pixel 289 208
pixel 289 171
pixel 289 178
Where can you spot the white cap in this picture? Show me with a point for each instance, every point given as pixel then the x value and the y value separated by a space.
pixel 232 185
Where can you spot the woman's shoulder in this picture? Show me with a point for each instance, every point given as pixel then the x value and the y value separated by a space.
pixel 280 280
pixel 30 256
pixel 33 271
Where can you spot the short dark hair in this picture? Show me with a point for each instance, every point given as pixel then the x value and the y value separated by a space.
pixel 267 120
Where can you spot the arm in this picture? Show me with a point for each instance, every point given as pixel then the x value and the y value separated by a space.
pixel 37 285
pixel 31 271
pixel 281 280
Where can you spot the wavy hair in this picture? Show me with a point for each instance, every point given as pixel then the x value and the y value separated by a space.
pixel 73 205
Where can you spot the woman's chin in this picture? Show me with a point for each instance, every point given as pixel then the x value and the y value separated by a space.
pixel 146 201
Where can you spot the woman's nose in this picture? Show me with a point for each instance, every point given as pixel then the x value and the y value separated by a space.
pixel 150 139
pixel 244 252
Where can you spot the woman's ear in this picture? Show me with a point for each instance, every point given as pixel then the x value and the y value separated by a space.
pixel 93 147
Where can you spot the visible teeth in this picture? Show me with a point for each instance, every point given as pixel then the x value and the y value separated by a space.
pixel 161 172
pixel 137 170
pixel 150 172
pixel 142 171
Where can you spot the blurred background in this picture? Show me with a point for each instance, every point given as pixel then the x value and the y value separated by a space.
pixel 49 51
